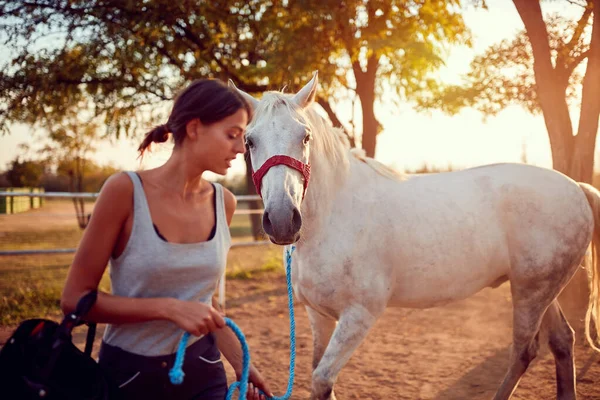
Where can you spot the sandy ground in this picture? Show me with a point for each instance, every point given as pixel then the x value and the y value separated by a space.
pixel 459 351
pixel 55 214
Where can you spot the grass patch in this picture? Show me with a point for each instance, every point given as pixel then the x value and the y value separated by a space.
pixel 33 292
pixel 46 239
pixel 272 263
pixel 240 226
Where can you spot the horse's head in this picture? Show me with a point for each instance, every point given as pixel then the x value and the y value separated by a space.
pixel 278 140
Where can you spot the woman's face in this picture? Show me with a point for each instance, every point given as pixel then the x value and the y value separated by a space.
pixel 218 144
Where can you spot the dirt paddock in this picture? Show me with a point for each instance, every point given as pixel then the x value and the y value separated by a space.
pixel 456 352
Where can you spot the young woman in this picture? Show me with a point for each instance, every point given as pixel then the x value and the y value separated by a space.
pixel 165 233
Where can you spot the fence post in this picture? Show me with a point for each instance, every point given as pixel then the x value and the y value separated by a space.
pixel 12 202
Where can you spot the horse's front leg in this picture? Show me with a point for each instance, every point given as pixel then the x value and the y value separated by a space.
pixel 322 328
pixel 352 328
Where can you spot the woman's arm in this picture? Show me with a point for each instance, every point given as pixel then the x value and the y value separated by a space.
pixel 113 207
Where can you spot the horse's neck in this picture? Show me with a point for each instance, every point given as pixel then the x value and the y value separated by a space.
pixel 327 181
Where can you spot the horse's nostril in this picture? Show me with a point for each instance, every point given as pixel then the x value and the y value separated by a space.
pixel 296 220
pixel 267 227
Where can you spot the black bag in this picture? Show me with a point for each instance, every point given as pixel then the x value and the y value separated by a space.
pixel 40 361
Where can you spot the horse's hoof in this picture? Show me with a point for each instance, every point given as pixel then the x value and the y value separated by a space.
pixel 331 396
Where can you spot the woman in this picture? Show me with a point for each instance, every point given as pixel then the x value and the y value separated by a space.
pixel 165 232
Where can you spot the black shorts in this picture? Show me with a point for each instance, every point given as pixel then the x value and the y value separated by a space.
pixel 141 377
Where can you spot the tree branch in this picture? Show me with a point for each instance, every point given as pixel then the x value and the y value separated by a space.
pixel 565 51
pixel 334 118
pixel 581 24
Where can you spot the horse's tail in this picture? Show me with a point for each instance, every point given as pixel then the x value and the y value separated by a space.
pixel 592 316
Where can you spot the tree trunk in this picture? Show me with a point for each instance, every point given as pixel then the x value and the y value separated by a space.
pixel 582 166
pixel 365 89
pixel 571 155
pixel 255 219
pixel 550 91
pixel 576 294
pixel 76 186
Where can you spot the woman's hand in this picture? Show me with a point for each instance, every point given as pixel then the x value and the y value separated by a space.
pixel 256 384
pixel 194 317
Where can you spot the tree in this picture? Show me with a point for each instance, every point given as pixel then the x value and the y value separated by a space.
pixel 25 173
pixel 539 70
pixel 138 52
pixel 71 144
pixel 387 46
pixel 65 157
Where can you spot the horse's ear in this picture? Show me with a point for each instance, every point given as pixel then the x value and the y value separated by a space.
pixel 249 99
pixel 306 95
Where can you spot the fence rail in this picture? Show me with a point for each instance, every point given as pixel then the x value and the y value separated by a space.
pixel 71 195
pixel 76 195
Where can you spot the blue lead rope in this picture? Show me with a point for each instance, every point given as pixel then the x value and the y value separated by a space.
pixel 176 374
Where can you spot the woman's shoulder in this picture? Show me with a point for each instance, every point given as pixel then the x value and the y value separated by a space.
pixel 115 201
pixel 117 185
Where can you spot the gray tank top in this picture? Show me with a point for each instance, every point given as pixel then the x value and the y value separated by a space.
pixel 152 267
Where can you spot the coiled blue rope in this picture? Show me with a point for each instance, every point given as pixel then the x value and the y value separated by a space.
pixel 176 374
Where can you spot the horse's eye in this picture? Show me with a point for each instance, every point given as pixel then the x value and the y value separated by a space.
pixel 306 139
pixel 249 143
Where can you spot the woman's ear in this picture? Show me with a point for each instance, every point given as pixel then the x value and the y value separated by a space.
pixel 192 128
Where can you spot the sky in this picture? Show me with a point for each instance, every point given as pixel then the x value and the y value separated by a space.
pixel 409 139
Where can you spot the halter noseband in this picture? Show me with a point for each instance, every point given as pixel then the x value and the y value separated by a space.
pixel 299 166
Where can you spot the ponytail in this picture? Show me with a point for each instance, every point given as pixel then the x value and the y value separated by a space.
pixel 159 134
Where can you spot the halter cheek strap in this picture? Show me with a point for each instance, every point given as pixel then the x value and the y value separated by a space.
pixel 299 166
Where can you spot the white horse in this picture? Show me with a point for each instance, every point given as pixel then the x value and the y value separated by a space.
pixel 368 238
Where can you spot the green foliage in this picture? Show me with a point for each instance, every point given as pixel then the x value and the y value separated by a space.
pixel 504 75
pixel 35 173
pixel 25 173
pixel 406 40
pixel 118 61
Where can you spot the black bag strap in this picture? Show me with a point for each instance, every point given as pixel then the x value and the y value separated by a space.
pixel 84 305
pixel 64 330
pixel 89 340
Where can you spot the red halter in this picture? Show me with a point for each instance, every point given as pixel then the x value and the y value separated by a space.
pixel 299 166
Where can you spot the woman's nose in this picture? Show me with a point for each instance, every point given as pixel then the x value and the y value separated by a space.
pixel 240 146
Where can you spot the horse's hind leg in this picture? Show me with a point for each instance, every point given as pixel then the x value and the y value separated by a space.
pixel 322 327
pixel 527 318
pixel 561 340
pixel 352 327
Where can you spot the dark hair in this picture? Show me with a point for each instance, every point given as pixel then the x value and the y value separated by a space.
pixel 209 100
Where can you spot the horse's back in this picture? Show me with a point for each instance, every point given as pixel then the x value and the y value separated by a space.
pixel 500 186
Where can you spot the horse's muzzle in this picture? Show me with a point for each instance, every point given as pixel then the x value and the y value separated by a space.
pixel 282 227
